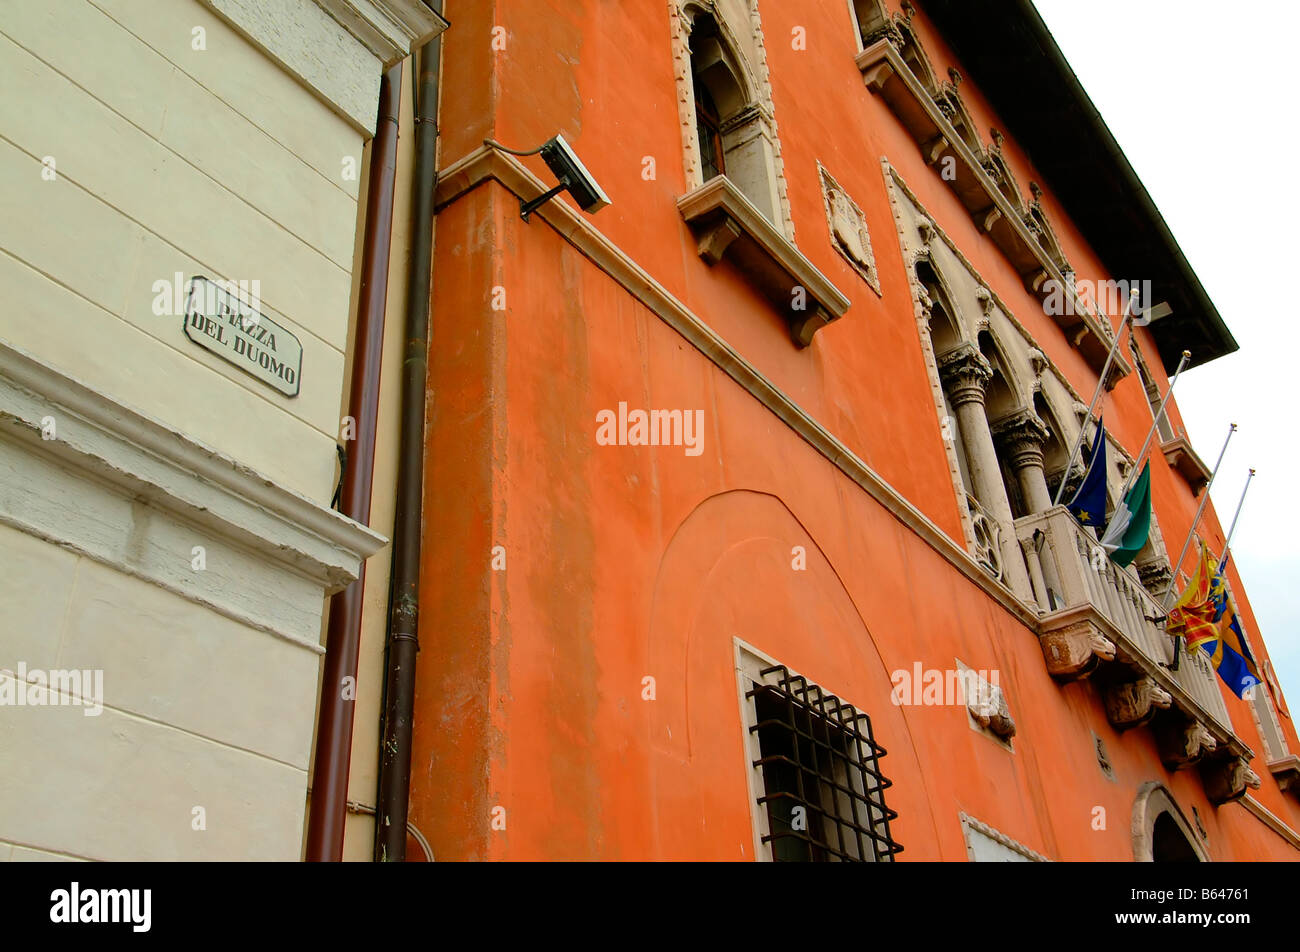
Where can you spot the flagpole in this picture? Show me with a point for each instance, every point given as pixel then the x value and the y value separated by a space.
pixel 1101 385
pixel 1223 561
pixel 1200 510
pixel 1160 411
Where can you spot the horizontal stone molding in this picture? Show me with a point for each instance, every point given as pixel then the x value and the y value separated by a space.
pixel 488 164
pixel 85 472
pixel 1270 819
pixel 336 48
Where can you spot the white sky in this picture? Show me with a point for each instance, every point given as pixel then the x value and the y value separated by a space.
pixel 1204 113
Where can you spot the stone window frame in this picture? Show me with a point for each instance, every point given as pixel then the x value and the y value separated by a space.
pixel 750 662
pixel 1154 799
pixel 753 79
pixel 1261 697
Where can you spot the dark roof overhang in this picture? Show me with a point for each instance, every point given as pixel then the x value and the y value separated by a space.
pixel 1006 49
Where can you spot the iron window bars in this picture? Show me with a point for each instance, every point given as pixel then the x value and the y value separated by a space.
pixel 823 789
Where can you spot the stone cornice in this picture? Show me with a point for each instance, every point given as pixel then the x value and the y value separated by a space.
pixel 143 461
pixel 1271 820
pixel 336 48
pixel 487 164
pixel 389 29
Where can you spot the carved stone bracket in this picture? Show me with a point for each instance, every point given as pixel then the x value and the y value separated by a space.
pixel 1227 779
pixel 1183 743
pixel 1074 651
pixel 1134 703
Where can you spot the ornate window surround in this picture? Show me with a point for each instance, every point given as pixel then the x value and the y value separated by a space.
pixel 753 78
pixel 1040 378
pixel 725 220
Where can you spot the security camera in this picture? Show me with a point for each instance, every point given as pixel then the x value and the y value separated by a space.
pixel 568 168
pixel 572 174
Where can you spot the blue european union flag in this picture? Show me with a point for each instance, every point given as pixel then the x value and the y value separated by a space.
pixel 1089 503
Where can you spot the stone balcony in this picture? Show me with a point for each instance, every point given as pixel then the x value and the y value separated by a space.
pixel 1097 621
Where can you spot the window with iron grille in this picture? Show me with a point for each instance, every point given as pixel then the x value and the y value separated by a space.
pixel 821 790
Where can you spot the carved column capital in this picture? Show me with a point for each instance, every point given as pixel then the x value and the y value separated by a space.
pixel 1135 703
pixel 1156 575
pixel 965 373
pixel 1023 435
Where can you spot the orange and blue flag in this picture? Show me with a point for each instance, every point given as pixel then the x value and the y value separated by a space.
pixel 1228 651
pixel 1193 615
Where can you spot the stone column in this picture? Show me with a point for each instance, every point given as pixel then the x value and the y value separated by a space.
pixel 965 373
pixel 1023 435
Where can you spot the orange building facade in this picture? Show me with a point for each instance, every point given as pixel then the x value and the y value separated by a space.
pixel 768 447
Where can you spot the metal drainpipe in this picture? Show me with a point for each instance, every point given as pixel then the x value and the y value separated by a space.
pixel 329 782
pixel 403 620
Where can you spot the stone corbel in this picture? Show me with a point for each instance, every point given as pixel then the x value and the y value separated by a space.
pixel 714 239
pixel 726 224
pixel 1227 779
pixel 933 149
pixel 1183 743
pixel 878 75
pixel 1134 703
pixel 1075 651
pixel 988 218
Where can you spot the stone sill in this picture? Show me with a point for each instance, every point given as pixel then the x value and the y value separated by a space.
pixel 726 224
pixel 886 75
pixel 1180 455
pixel 1287 773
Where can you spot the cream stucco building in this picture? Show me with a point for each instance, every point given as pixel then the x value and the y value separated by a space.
pixel 165 510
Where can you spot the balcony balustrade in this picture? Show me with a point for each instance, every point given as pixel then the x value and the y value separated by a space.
pixel 1097 619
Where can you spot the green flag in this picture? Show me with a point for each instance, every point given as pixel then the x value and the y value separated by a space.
pixel 1131 524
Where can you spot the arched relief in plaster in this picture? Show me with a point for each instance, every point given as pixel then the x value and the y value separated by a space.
pixel 729 547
